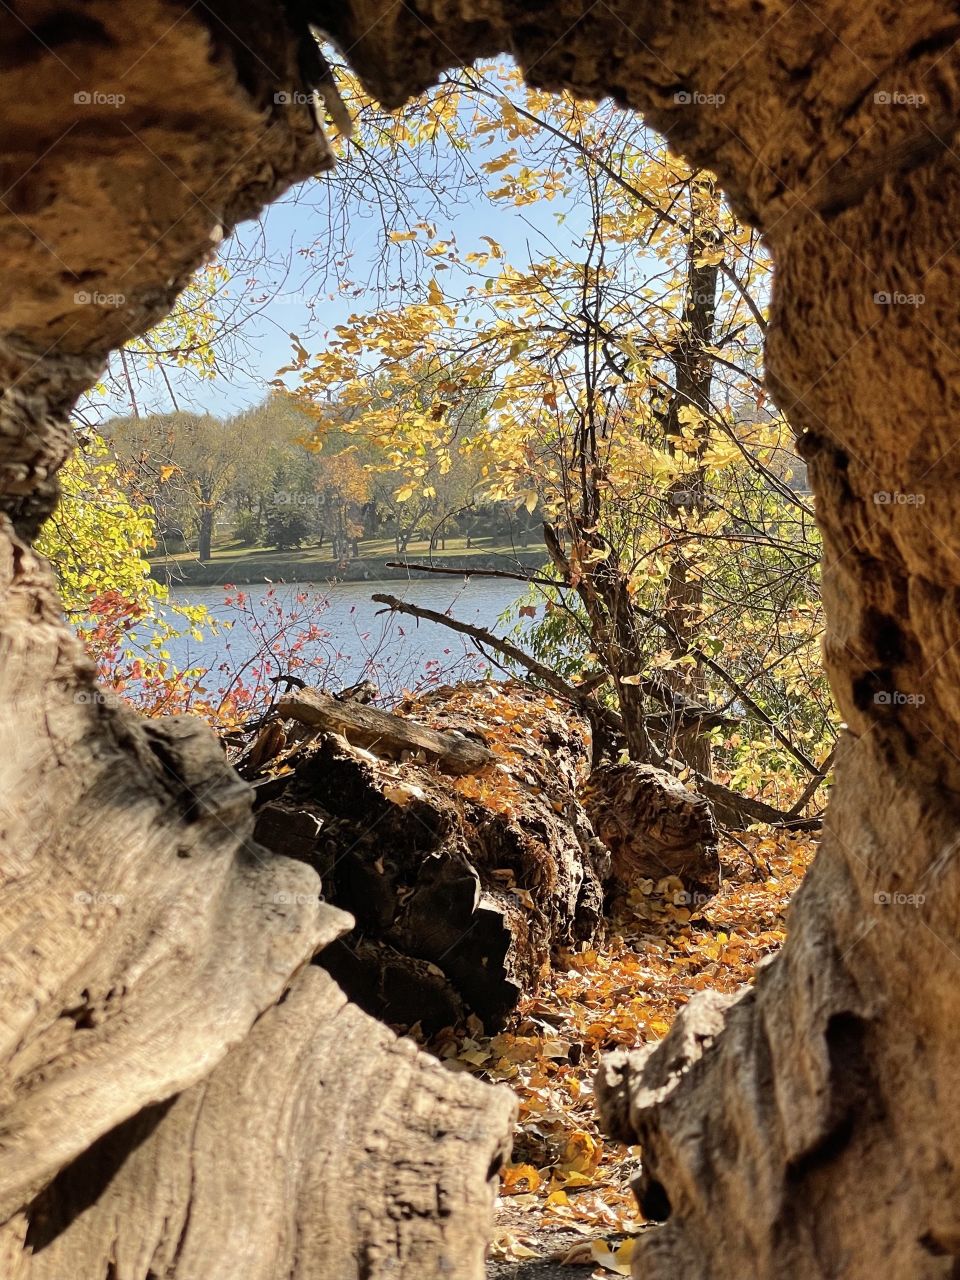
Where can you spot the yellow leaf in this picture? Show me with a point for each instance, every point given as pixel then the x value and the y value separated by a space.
pixel 435 293
pixel 512 1175
pixel 530 500
pixel 616 1259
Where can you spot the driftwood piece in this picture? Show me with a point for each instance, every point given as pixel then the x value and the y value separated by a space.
pixel 653 826
pixel 384 733
pixel 254 1175
pixel 462 891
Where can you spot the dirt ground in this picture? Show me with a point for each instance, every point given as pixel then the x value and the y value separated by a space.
pixel 552 1244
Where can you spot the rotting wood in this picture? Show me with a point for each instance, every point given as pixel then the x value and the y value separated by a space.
pixel 383 733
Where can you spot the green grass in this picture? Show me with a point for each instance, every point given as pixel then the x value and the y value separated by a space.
pixel 378 549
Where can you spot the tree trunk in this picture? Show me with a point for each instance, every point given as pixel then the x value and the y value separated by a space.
pixel 205 542
pixel 693 374
pixel 174 1081
pixel 253 1172
pixel 654 828
pixel 804 1129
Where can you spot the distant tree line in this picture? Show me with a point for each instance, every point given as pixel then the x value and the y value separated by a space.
pixel 270 477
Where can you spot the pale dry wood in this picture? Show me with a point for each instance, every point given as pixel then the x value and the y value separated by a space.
pixel 383 733
pixel 322 1148
pixel 814 1134
pixel 143 934
pixel 142 930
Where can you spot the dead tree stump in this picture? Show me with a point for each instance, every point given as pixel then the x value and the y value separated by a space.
pixel 653 826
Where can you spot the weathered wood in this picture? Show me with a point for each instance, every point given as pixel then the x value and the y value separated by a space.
pixel 143 931
pixel 254 1173
pixel 462 892
pixel 812 1135
pixel 653 826
pixel 383 733
pixel 146 941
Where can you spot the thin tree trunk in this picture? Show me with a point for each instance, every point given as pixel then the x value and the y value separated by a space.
pixel 693 374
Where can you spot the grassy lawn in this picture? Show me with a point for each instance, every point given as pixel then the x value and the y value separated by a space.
pixel 378 549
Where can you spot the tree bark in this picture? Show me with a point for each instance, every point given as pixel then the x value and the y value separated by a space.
pixel 463 891
pixel 151 949
pixel 802 1130
pixel 654 827
pixel 254 1173
pixel 205 541
pixel 693 375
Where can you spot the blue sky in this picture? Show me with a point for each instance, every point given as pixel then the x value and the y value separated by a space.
pixel 282 254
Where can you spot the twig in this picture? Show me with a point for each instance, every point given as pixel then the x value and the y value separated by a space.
pixel 534 579
pixel 815 782
pixel 759 864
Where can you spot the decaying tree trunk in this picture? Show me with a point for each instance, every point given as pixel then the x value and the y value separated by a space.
pixel 178 1096
pixel 654 827
pixel 254 1171
pixel 455 840
pixel 804 1130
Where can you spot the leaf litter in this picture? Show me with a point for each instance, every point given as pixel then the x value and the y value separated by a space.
pixel 565 1175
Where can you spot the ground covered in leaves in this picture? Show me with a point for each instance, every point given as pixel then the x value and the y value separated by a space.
pixel 565 1198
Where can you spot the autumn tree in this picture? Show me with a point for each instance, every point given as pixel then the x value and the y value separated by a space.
pixel 623 401
pixel 408 437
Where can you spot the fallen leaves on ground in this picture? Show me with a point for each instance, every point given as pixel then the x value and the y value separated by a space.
pixel 623 993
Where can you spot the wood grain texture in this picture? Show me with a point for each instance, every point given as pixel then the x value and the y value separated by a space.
pixel 322 1148
pixel 144 936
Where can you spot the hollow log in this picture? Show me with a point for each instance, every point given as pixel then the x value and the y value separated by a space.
pixel 804 1130
pixel 462 890
pixel 154 959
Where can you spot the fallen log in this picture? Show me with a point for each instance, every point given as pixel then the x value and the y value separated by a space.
pixel 387 734
pixel 463 886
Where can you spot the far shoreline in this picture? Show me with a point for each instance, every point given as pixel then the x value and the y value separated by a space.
pixel 251 570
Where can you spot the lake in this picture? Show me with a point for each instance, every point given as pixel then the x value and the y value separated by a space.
pixel 341 634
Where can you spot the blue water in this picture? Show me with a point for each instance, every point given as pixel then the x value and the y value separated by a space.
pixel 345 636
